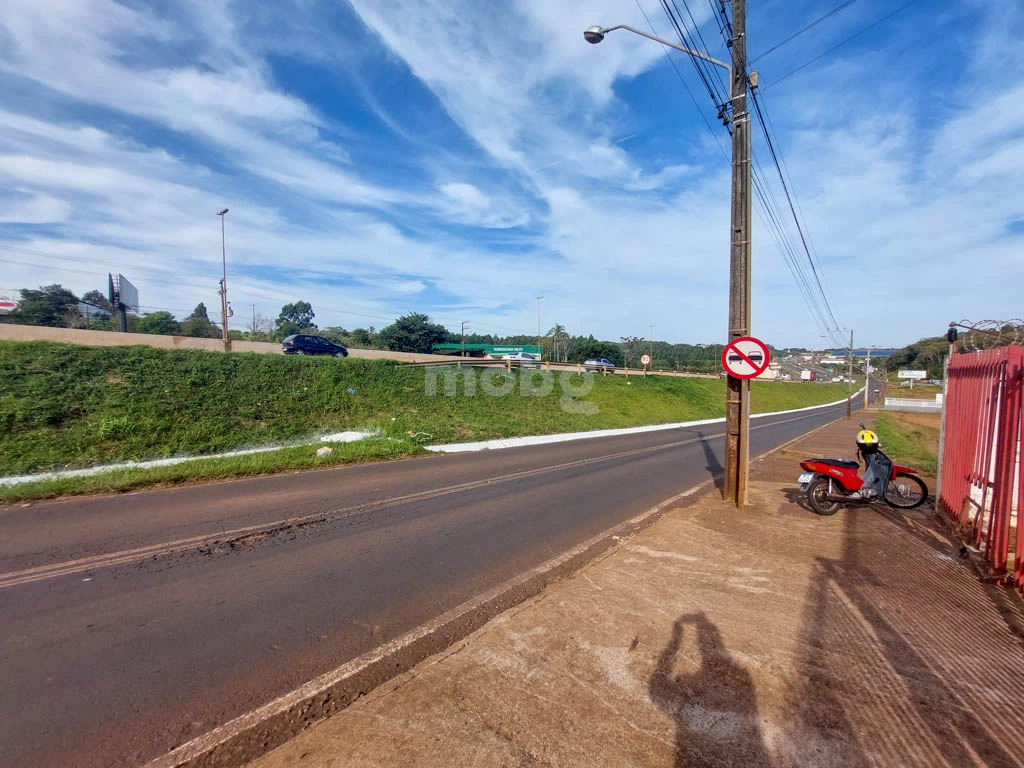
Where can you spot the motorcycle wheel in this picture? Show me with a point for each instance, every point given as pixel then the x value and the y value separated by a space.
pixel 910 492
pixel 817 497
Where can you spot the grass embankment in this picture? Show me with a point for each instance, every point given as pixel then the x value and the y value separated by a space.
pixel 65 406
pixel 911 439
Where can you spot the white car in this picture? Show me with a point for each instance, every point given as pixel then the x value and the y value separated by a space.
pixel 525 359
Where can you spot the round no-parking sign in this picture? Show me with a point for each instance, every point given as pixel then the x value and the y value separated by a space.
pixel 745 357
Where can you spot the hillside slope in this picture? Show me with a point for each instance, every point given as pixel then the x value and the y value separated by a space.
pixel 69 406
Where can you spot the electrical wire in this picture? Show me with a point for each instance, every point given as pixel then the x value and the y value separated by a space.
pixel 799 32
pixel 685 86
pixel 698 64
pixel 868 28
pixel 768 208
pixel 789 200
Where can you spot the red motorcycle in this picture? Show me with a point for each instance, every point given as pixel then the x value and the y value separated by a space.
pixel 831 483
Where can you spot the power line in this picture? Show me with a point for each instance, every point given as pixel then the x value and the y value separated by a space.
pixel 769 210
pixel 698 64
pixel 799 32
pixel 705 48
pixel 789 200
pixel 775 137
pixel 683 81
pixel 840 45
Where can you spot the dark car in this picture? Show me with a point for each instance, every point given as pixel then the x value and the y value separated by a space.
pixel 301 344
pixel 599 364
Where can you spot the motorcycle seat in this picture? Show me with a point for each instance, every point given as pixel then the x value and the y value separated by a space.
pixel 847 463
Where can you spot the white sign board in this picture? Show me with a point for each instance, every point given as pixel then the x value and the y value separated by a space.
pixel 8 300
pixel 907 374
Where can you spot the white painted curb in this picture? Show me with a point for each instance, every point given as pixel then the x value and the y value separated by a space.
pixel 341 437
pixel 518 442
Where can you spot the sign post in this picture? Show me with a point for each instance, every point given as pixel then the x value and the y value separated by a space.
pixel 645 360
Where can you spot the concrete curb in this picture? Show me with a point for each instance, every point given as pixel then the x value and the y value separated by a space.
pixel 518 442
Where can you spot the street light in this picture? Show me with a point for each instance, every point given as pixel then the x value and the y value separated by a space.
pixel 737 401
pixel 538 328
pixel 224 281
pixel 595 35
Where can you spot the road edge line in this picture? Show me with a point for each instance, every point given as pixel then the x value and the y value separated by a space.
pixel 562 437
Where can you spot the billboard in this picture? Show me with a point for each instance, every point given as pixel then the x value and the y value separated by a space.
pixel 9 298
pixel 123 293
pixel 908 374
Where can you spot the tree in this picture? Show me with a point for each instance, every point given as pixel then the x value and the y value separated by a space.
pixel 160 323
pixel 413 333
pixel 361 338
pixel 295 318
pixel 98 301
pixel 259 326
pixel 631 346
pixel 51 305
pixel 198 324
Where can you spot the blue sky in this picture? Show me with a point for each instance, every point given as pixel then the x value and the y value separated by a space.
pixel 460 157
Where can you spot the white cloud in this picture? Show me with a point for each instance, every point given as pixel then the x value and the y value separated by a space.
pixel 909 202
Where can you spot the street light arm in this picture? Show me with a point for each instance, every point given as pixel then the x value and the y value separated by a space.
pixel 670 44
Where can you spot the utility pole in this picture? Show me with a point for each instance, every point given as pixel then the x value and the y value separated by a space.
pixel 254 321
pixel 651 347
pixel 849 382
pixel 224 282
pixel 867 380
pixel 737 401
pixel 737 404
pixel 464 324
pixel 539 347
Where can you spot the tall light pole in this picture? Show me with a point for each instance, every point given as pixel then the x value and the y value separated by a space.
pixel 538 328
pixel 651 344
pixel 464 324
pixel 849 382
pixel 737 402
pixel 224 282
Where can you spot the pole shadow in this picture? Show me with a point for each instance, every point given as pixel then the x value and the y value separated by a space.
pixel 714 708
pixel 713 465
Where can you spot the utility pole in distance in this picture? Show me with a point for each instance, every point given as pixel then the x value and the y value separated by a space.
pixel 849 382
pixel 464 324
pixel 737 404
pixel 651 345
pixel 540 349
pixel 867 380
pixel 224 282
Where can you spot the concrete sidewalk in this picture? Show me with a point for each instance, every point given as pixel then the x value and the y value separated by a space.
pixel 714 637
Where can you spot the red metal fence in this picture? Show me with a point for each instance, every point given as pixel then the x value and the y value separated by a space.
pixel 982 472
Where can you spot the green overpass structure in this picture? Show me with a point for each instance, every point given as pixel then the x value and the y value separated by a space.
pixel 487 350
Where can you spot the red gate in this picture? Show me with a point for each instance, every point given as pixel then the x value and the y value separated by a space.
pixel 982 473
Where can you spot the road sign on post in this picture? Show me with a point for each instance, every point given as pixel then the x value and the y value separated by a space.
pixel 745 357
pixel 645 359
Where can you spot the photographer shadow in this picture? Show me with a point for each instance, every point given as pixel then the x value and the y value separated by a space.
pixel 715 707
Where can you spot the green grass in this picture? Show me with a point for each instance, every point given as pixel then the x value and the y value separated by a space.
pixel 908 442
pixel 200 470
pixel 65 406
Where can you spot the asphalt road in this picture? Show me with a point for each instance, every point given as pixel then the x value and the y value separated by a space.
pixel 131 624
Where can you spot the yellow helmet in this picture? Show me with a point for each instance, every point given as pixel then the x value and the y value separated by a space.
pixel 867 438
